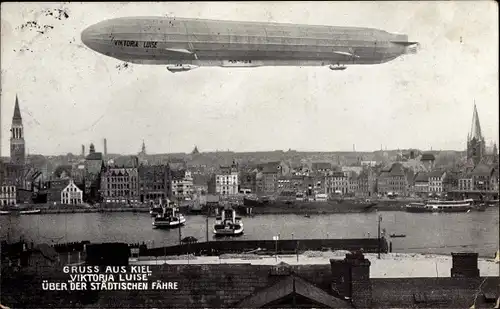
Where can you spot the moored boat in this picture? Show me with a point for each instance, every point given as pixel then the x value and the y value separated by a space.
pixel 169 218
pixel 228 224
pixel 441 206
pixel 30 212
pixel 4 212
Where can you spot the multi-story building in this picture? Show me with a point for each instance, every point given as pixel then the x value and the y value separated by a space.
pixel 436 179
pixel 284 183
pixel 94 165
pixel 200 184
pixel 321 168
pixel 353 182
pixel 363 183
pixel 393 181
pixel 248 181
pixel 465 182
pixel 421 184
pixel 182 184
pixel 120 185
pixel 8 195
pixel 54 188
pixel 450 182
pixel 269 174
pixel 337 183
pixel 482 178
pixel 226 181
pixel 71 195
pixel 154 183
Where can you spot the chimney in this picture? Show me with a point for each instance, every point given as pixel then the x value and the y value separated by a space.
pixel 361 287
pixel 105 147
pixel 83 150
pixel 341 274
pixel 351 279
pixel 464 265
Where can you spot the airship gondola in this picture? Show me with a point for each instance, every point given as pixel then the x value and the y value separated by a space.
pixel 183 44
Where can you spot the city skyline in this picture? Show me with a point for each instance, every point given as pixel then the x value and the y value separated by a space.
pixel 422 101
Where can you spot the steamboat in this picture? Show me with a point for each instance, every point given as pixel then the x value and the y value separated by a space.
pixel 228 224
pixel 168 218
pixel 443 206
pixel 155 210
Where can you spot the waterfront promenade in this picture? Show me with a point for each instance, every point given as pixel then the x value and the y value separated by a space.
pixel 338 206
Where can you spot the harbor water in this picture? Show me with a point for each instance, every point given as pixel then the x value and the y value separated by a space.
pixel 425 232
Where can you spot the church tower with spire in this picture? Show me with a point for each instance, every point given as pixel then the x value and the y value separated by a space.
pixel 17 144
pixel 142 156
pixel 476 146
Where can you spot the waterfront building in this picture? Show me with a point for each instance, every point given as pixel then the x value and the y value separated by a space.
pixel 226 180
pixel 94 165
pixel 421 184
pixel 337 183
pixel 71 195
pixel 465 182
pixel 483 177
pixel 120 184
pixel 248 181
pixel 8 195
pixel 200 184
pixel 155 183
pixel 450 181
pixel 393 180
pixel 353 182
pixel 54 188
pixel 363 183
pixel 436 179
pixel 269 173
pixel 182 184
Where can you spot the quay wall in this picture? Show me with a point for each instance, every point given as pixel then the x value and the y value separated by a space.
pixel 285 246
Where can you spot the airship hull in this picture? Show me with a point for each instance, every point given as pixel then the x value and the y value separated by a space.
pixel 162 40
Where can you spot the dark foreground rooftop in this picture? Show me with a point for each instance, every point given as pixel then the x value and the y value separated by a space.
pixel 341 284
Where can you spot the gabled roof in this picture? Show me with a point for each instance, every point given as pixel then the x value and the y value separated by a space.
pixel 178 174
pixel 270 167
pixel 428 157
pixel 421 177
pixel 292 286
pixel 397 170
pixel 482 170
pixel 321 166
pixel 437 173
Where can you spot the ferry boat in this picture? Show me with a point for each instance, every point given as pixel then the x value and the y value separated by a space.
pixel 169 218
pixel 155 210
pixel 441 206
pixel 228 224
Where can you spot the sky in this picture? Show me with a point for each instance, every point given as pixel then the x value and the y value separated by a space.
pixel 70 95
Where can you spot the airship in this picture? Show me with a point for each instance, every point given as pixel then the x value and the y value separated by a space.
pixel 184 44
